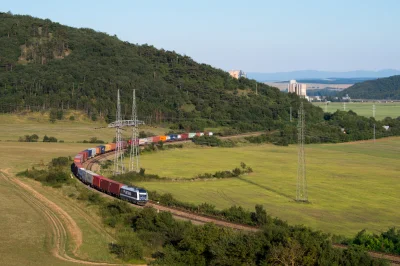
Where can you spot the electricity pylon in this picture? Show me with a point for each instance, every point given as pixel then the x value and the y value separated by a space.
pixel 301 189
pixel 119 167
pixel 134 154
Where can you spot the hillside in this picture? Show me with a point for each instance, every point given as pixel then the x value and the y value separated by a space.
pixel 48 65
pixel 379 89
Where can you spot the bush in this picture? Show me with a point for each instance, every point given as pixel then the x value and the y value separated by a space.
pixel 29 138
pixel 49 139
pixel 72 118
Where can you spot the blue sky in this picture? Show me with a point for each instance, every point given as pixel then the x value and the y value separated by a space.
pixel 255 36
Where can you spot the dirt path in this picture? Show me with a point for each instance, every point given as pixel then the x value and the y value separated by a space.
pixel 63 228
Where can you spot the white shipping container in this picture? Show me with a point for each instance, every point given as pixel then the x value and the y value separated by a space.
pixel 191 135
pixel 210 133
pixel 201 133
pixel 142 141
pixel 179 136
pixel 93 151
pixel 168 137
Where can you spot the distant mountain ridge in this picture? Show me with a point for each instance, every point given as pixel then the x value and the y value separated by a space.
pixel 315 74
pixel 379 89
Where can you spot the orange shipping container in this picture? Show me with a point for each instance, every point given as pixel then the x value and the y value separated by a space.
pixel 98 151
pixel 113 145
pixel 163 138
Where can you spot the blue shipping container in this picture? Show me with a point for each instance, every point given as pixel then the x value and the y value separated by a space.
pixel 102 149
pixel 89 153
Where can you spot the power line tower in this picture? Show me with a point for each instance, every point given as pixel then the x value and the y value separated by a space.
pixel 119 153
pixel 344 106
pixel 301 190
pixel 119 167
pixel 134 154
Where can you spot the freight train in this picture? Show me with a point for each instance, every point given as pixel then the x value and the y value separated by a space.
pixel 134 195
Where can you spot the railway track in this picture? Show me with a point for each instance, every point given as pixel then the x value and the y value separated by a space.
pixel 202 219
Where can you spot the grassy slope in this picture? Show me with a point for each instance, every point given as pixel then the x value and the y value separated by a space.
pixel 31 233
pixel 14 126
pixel 365 109
pixel 351 186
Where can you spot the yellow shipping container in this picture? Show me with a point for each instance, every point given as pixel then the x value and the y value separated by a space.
pixel 108 147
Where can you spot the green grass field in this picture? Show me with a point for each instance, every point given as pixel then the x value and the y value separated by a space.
pixel 16 125
pixel 351 186
pixel 382 109
pixel 28 233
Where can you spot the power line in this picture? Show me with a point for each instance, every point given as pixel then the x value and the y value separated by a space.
pixel 301 189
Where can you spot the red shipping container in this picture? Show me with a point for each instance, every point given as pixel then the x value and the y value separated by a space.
pixel 156 139
pixel 105 184
pixel 79 165
pixel 198 134
pixel 96 181
pixel 115 187
pixel 184 136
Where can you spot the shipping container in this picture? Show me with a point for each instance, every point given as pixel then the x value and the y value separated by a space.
pixel 179 136
pixel 81 173
pixel 123 144
pixel 185 136
pixel 96 181
pixel 88 179
pixel 102 149
pixel 142 141
pixel 191 135
pixel 163 138
pixel 201 133
pixel 156 139
pixel 168 137
pixel 107 147
pixel 93 151
pixel 104 184
pixel 84 155
pixel 112 146
pixel 173 137
pixel 89 152
pixel 78 158
pixel 115 187
pixel 78 165
pixel 210 133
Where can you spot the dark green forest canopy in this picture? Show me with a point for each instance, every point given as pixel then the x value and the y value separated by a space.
pixel 379 89
pixel 45 65
pixel 48 65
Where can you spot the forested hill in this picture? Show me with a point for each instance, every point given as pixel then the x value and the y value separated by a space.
pixel 379 89
pixel 48 65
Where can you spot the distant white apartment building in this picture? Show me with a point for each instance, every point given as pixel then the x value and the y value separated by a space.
pixel 298 88
pixel 237 74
